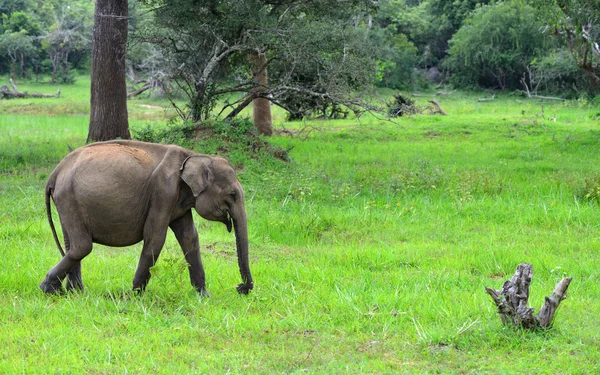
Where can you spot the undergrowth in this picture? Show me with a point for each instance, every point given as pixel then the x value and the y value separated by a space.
pixel 236 140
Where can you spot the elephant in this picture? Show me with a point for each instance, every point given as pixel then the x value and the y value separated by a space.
pixel 118 193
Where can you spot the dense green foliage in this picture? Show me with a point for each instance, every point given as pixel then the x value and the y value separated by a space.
pixel 45 37
pixel 495 46
pixel 319 53
pixel 312 50
pixel 577 23
pixel 370 249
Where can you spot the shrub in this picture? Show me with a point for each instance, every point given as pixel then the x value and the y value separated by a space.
pixel 495 46
pixel 237 140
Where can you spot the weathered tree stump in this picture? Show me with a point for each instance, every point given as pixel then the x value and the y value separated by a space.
pixel 512 299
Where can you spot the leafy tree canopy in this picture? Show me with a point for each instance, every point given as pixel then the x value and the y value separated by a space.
pixel 313 49
pixel 576 22
pixel 495 46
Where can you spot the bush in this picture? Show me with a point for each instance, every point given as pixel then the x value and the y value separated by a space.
pixel 495 46
pixel 237 140
pixel 557 73
pixel 398 59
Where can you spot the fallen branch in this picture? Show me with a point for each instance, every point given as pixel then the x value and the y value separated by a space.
pixel 13 86
pixel 512 299
pixel 545 97
pixel 438 108
pixel 6 93
pixel 534 96
pixel 147 86
pixel 487 99
pixel 441 93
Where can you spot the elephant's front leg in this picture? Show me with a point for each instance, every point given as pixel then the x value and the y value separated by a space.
pixel 187 236
pixel 154 239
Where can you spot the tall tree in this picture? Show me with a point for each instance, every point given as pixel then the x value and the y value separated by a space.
pixel 16 46
pixel 312 49
pixel 495 46
pixel 577 22
pixel 66 35
pixel 108 117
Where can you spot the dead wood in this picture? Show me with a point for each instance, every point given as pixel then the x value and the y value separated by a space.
pixel 531 95
pixel 512 299
pixel 487 99
pixel 442 93
pixel 147 86
pixel 438 108
pixel 546 97
pixel 7 93
pixel 13 86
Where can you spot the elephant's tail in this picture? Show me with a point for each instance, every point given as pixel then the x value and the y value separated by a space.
pixel 49 213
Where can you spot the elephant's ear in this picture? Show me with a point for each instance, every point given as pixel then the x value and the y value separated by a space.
pixel 196 172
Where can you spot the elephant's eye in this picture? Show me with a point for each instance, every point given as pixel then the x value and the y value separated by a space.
pixel 233 195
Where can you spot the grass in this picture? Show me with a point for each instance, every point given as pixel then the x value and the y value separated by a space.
pixel 370 249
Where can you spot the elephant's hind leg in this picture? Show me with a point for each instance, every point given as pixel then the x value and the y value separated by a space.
pixel 74 279
pixel 78 244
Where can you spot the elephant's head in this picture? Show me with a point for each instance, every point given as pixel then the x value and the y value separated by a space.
pixel 220 197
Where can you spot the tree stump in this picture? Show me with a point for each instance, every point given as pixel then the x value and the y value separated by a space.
pixel 512 299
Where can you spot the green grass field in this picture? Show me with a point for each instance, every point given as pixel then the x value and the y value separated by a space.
pixel 370 250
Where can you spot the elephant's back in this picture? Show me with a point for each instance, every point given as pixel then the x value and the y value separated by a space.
pixel 110 169
pixel 107 186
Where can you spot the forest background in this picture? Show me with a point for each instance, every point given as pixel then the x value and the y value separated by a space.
pixel 536 45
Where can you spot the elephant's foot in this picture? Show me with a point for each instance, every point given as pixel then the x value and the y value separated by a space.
pixel 52 286
pixel 244 288
pixel 139 288
pixel 74 279
pixel 74 284
pixel 140 282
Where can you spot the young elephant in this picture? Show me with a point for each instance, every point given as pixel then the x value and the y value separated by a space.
pixel 118 193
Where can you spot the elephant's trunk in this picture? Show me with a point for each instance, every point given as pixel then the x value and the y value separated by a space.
pixel 241 238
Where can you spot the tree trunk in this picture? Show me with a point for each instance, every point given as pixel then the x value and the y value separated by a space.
pixel 65 67
pixel 53 78
pixel 23 66
pixel 261 107
pixel 592 74
pixel 108 117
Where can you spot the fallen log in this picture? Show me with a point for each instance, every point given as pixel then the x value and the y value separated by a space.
pixel 511 300
pixel 6 93
pixel 438 108
pixel 546 97
pixel 147 86
pixel 442 93
pixel 487 99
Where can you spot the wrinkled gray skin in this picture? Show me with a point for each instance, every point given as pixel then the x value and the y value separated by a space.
pixel 118 193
